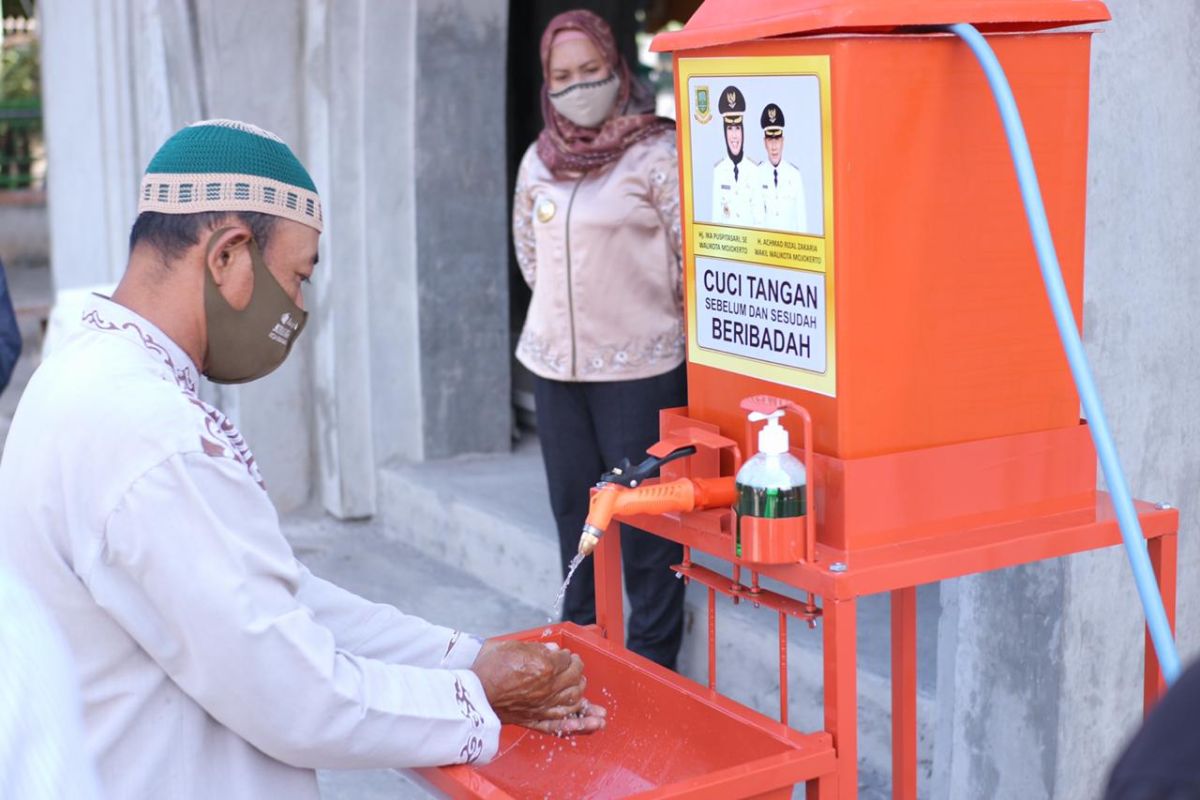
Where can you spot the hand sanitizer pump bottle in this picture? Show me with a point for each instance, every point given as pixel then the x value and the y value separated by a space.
pixel 771 484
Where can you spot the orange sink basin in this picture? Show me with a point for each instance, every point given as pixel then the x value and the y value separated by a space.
pixel 667 736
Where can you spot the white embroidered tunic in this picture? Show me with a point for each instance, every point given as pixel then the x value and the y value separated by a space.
pixel 782 196
pixel 211 662
pixel 735 197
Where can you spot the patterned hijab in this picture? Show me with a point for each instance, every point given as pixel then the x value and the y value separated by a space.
pixel 566 148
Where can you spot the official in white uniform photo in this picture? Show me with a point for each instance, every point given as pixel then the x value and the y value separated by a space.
pixel 734 191
pixel 782 187
pixel 211 663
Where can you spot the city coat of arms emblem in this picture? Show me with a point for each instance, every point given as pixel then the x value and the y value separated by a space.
pixel 703 111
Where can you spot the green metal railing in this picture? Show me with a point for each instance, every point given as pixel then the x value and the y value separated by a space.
pixel 20 143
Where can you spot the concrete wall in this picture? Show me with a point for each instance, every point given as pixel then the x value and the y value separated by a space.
pixel 462 225
pixel 436 211
pixel 389 139
pixel 84 45
pixel 1041 665
pixel 408 354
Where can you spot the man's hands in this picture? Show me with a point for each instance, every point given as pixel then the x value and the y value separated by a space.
pixel 538 686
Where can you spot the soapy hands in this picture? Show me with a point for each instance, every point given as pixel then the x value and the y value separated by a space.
pixel 537 685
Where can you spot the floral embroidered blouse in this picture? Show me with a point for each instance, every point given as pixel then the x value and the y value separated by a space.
pixel 602 254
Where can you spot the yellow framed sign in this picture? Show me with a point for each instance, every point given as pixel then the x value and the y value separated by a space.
pixel 757 168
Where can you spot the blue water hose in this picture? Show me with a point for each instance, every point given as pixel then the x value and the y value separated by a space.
pixel 1035 212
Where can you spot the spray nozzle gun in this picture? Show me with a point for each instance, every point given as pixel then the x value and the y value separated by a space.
pixel 625 475
pixel 619 491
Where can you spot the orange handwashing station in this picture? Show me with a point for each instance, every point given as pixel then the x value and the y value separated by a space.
pixel 866 268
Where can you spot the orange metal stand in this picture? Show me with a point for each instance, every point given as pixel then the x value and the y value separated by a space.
pixel 897 568
pixel 904 692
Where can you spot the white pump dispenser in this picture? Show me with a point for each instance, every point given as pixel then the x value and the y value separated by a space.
pixel 772 437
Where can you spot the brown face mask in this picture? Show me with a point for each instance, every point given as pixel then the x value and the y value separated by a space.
pixel 248 344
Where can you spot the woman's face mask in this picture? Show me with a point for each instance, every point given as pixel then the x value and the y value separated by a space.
pixel 587 104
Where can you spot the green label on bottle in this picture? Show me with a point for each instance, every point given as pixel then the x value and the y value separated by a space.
pixel 768 504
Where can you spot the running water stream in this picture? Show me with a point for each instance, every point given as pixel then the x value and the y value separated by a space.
pixel 562 593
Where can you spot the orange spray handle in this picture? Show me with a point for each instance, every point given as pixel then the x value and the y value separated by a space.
pixel 683 494
pixel 715 492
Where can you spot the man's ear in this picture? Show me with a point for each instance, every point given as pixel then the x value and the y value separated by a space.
pixel 228 261
pixel 227 258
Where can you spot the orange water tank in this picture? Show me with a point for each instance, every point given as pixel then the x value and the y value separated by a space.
pixel 893 289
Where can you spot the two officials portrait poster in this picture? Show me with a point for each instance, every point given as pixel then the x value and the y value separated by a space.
pixel 758 202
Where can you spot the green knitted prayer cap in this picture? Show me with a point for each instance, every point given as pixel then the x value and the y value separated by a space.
pixel 225 165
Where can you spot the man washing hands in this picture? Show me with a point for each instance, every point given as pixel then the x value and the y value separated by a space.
pixel 211 662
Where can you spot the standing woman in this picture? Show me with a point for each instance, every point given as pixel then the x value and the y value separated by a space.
pixel 596 226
